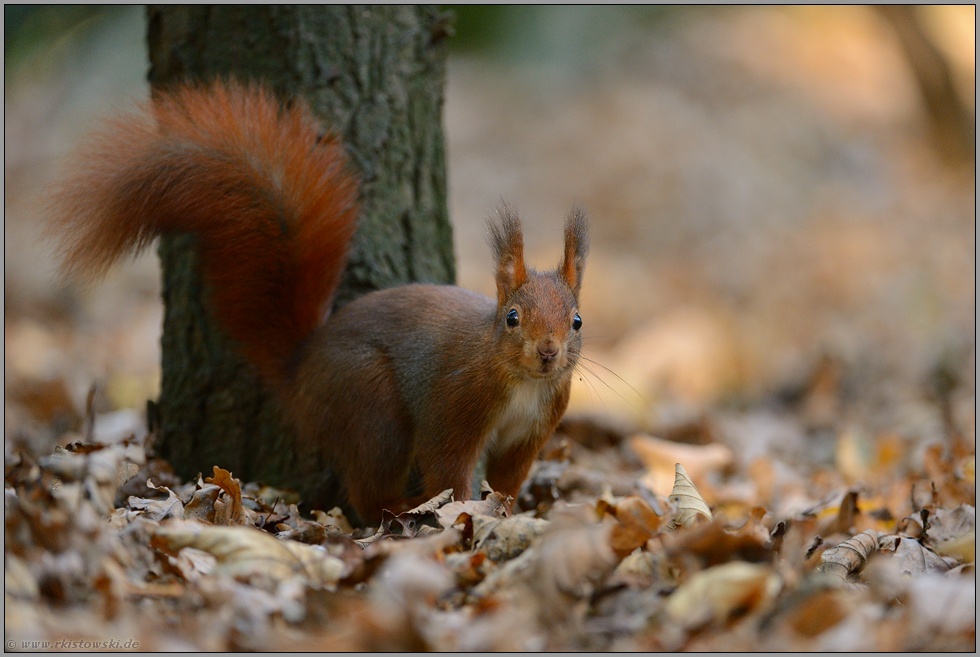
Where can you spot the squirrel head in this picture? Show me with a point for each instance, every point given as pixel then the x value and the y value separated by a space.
pixel 538 325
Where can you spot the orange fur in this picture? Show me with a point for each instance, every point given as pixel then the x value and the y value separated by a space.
pixel 419 375
pixel 271 202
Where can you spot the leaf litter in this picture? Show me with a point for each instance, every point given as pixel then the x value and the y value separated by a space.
pixel 236 569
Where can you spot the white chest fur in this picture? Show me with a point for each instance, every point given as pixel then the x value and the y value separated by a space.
pixel 528 404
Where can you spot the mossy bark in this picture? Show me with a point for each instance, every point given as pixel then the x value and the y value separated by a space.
pixel 375 75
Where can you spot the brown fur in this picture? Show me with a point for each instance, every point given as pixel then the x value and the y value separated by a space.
pixel 421 375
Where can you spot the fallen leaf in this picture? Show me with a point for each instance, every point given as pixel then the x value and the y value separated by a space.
pixel 947 524
pixel 334 519
pixel 493 506
pixel 851 556
pixel 817 613
pixel 943 605
pixel 963 548
pixel 722 593
pixel 171 507
pixel 250 554
pixel 640 569
pixel 201 505
pixel 505 538
pixel 690 504
pixel 231 511
pixel 636 523
pixel 192 564
pixel 713 544
pixel 914 558
pixel 574 554
pixel 431 505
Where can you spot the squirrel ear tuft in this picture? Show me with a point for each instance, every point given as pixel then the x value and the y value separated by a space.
pixel 576 248
pixel 507 242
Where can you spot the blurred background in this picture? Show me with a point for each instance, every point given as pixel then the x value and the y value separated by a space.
pixel 783 206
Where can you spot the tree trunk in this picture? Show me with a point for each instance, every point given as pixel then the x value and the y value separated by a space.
pixel 375 76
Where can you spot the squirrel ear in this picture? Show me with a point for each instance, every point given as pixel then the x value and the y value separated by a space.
pixel 507 242
pixel 576 248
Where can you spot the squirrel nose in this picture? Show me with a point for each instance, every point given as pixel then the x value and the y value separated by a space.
pixel 548 350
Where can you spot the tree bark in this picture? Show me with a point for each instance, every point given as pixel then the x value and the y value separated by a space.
pixel 375 76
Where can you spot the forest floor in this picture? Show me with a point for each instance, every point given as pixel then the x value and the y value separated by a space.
pixel 780 297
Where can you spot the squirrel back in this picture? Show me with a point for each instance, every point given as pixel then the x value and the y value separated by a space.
pixel 268 195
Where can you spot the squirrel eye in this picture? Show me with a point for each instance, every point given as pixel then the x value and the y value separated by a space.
pixel 577 322
pixel 512 320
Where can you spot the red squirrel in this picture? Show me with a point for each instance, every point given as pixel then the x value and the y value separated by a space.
pixel 429 376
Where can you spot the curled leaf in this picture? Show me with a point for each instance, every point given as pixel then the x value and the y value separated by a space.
pixel 429 506
pixel 689 502
pixel 850 556
pixel 227 511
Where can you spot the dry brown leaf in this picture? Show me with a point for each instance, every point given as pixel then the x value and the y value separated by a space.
pixel 503 539
pixel 408 580
pixel 945 605
pixel 640 569
pixel 722 593
pixel 713 544
pixel 573 555
pixel 912 557
pixel 431 546
pixel 230 511
pixel 201 505
pixel 507 576
pixel 430 506
pixel 636 520
pixel 192 563
pixel 268 495
pixel 470 568
pixel 850 556
pixel 493 507
pixel 659 457
pixel 819 612
pixel 413 522
pixel 101 469
pixel 171 507
pixel 334 519
pixel 947 524
pixel 690 504
pixel 311 533
pixel 250 554
pixel 963 548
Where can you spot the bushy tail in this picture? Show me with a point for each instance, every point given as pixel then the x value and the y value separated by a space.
pixel 268 195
